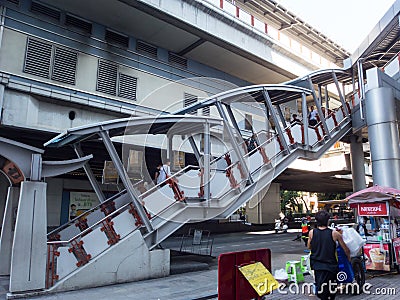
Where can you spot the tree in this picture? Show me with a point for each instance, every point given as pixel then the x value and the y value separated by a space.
pixel 330 196
pixel 290 198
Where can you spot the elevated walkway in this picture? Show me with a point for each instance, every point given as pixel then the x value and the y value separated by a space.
pixel 118 239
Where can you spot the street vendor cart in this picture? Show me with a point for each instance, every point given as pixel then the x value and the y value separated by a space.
pixel 379 209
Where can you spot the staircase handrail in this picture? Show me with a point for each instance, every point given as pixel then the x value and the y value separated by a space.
pixel 89 229
pixel 175 175
pixel 89 211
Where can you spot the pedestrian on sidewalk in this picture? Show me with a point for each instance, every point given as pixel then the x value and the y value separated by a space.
pixel 305 229
pixel 323 258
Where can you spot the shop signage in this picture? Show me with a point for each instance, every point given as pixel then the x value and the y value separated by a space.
pixel 80 202
pixel 377 257
pixel 372 209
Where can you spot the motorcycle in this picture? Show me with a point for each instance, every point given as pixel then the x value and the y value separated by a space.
pixel 280 226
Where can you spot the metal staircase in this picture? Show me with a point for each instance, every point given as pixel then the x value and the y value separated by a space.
pixel 214 189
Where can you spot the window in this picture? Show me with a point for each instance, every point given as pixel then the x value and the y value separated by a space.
pixel 188 100
pixel 49 61
pixel 111 81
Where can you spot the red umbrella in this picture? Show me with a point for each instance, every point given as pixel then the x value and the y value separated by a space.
pixel 374 193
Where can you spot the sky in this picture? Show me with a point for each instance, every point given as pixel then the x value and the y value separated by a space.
pixel 346 22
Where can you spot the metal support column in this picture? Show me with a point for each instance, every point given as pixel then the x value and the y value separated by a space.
pixel 2 88
pixel 274 117
pixel 125 179
pixel 326 101
pixel 169 148
pixel 233 140
pixel 89 173
pixel 342 100
pixel 232 117
pixel 196 151
pixel 319 109
pixel 304 111
pixel 357 163
pixel 280 114
pixel 383 133
pixel 207 151
pixel 320 94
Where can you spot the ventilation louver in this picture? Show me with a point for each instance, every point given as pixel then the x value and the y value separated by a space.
pixel 107 77
pixel 177 60
pixel 146 48
pixel 78 23
pixel 190 99
pixel 206 111
pixel 64 66
pixel 14 1
pixel 115 38
pixel 127 86
pixel 45 10
pixel 38 58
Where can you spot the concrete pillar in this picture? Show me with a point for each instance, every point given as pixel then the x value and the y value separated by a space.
pixel 7 229
pixel 265 206
pixel 4 184
pixel 383 136
pixel 357 163
pixel 29 251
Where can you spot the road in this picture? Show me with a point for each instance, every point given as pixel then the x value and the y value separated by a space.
pixel 282 246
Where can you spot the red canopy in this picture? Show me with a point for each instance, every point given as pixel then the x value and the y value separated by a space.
pixel 374 193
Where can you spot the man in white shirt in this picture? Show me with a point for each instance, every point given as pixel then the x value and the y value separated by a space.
pixel 165 171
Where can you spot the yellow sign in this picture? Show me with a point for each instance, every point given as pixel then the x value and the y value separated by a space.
pixel 260 278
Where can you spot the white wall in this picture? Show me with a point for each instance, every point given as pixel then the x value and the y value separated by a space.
pixel 152 90
pixel 23 110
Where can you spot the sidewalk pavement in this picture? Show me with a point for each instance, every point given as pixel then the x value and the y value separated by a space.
pixel 201 285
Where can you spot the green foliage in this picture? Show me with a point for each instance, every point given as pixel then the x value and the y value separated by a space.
pixel 330 196
pixel 289 199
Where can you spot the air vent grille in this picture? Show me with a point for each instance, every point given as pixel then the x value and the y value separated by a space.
pixel 116 38
pixel 107 77
pixel 177 60
pixel 45 10
pixel 14 1
pixel 127 86
pixel 64 67
pixel 146 48
pixel 206 111
pixel 37 58
pixel 78 23
pixel 190 99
